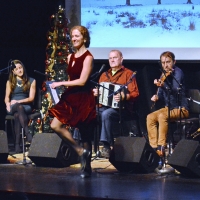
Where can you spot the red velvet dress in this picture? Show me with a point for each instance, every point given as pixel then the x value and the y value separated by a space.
pixel 77 104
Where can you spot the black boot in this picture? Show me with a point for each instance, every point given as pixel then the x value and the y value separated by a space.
pixel 85 164
pixel 86 172
pixel 86 169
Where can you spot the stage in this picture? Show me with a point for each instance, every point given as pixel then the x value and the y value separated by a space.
pixel 32 182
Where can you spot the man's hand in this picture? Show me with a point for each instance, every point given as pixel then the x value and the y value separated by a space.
pixel 117 97
pixel 95 92
pixel 154 98
pixel 158 82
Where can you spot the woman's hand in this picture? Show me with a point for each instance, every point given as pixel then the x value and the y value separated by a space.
pixel 13 102
pixel 55 85
pixel 8 107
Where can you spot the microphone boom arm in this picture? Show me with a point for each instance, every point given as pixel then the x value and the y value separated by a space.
pixel 123 86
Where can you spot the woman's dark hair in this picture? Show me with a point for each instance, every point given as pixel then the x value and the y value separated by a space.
pixel 25 79
pixel 84 31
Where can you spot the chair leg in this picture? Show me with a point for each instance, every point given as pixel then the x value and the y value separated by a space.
pixel 23 142
pixel 6 129
pixel 13 131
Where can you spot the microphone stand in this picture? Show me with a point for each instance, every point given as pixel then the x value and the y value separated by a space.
pixel 96 140
pixel 120 102
pixel 162 169
pixel 179 98
pixel 5 69
pixel 43 74
pixel 165 170
pixel 96 147
pixel 179 92
pixel 24 161
pixel 169 89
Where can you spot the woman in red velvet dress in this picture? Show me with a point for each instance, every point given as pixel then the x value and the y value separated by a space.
pixel 76 107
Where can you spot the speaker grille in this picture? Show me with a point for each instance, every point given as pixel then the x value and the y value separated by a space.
pixel 186 158
pixel 3 146
pixel 133 154
pixel 48 150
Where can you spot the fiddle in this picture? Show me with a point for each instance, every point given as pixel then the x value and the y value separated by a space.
pixel 160 83
pixel 162 79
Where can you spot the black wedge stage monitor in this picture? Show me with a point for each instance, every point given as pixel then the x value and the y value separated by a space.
pixel 143 29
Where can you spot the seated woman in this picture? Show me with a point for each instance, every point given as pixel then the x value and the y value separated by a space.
pixel 19 95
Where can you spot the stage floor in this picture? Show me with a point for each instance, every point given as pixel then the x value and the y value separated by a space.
pixel 31 182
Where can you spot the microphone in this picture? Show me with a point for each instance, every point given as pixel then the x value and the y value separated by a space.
pixel 102 68
pixel 12 65
pixel 134 73
pixel 40 73
pixel 99 72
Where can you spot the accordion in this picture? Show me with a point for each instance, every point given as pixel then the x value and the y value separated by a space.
pixel 105 94
pixel 54 92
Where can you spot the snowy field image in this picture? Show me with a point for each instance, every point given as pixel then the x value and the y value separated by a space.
pixel 143 23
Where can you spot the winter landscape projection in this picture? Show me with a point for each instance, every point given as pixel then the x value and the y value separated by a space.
pixel 142 24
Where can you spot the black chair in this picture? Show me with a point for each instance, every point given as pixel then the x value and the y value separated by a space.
pixel 37 105
pixel 186 127
pixel 131 125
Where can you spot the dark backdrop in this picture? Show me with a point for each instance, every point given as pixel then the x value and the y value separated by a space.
pixel 147 71
pixel 24 24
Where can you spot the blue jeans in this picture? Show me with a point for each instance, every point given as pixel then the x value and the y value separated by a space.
pixel 110 125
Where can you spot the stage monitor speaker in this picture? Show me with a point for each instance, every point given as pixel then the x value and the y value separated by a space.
pixel 186 158
pixel 3 146
pixel 133 154
pixel 49 150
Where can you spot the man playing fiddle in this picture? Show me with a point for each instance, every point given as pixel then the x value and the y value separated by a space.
pixel 171 83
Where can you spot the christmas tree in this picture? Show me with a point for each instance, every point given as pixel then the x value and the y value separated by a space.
pixel 57 50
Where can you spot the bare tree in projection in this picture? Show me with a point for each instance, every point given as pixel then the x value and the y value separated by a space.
pixel 128 2
pixel 189 1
